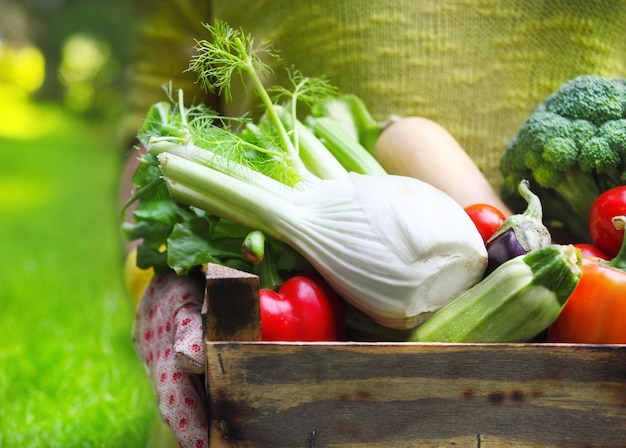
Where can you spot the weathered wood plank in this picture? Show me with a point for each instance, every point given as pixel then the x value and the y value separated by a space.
pixel 231 305
pixel 368 395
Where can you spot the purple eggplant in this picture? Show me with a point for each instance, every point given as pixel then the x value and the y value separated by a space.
pixel 520 233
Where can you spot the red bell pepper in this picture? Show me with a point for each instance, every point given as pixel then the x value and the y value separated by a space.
pixel 304 309
pixel 595 313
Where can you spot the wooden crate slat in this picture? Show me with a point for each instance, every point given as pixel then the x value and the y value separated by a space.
pixel 230 311
pixel 416 395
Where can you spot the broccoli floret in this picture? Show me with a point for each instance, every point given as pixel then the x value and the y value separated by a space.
pixel 572 147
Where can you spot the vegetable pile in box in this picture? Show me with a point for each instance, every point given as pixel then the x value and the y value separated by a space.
pixel 394 247
pixel 296 194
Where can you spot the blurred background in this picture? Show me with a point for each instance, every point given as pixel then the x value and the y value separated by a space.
pixel 69 376
pixel 72 52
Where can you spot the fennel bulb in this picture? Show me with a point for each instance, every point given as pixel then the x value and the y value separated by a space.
pixel 394 247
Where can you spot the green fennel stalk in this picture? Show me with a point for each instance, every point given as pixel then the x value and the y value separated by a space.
pixel 232 51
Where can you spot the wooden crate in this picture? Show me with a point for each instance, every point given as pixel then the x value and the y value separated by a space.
pixel 400 394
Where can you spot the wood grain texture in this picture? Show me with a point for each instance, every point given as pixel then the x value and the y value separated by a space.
pixel 231 305
pixel 414 395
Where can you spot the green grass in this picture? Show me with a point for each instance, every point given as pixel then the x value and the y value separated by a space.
pixel 69 376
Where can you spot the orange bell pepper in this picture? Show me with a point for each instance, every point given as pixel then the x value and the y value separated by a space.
pixel 595 313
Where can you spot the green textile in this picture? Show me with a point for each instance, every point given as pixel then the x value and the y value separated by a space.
pixel 476 67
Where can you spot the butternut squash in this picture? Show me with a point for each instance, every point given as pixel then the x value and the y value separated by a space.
pixel 421 148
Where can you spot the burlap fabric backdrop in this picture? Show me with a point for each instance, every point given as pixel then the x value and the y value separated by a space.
pixel 476 67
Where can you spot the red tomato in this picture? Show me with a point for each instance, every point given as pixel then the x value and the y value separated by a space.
pixel 603 234
pixel 487 219
pixel 303 310
pixel 595 312
pixel 589 250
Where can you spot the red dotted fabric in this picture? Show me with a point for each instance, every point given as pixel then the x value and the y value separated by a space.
pixel 167 335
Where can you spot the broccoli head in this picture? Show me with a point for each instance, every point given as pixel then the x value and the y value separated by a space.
pixel 572 147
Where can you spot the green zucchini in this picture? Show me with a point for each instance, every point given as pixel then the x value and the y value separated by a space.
pixel 515 303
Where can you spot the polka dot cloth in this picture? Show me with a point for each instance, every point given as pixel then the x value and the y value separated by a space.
pixel 167 335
